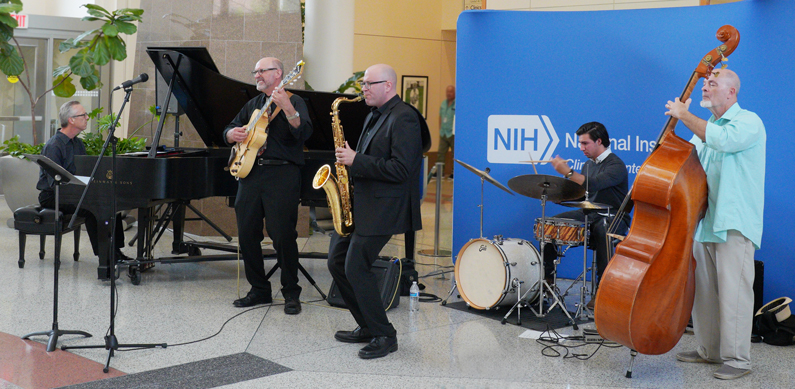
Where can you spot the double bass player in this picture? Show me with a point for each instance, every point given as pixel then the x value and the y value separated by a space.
pixel 731 149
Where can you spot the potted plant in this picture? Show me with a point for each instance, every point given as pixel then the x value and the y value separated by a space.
pixel 92 49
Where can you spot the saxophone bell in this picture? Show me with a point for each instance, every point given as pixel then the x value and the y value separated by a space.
pixel 325 179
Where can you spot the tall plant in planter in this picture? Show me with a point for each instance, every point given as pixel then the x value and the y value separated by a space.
pixel 92 49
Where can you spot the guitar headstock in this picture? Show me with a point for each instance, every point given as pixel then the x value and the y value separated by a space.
pixel 294 74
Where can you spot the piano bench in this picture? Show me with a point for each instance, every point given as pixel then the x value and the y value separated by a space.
pixel 35 220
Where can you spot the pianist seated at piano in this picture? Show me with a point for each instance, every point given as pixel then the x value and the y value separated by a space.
pixel 62 149
pixel 272 188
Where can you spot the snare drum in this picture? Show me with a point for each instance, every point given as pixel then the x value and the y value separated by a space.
pixel 485 270
pixel 560 231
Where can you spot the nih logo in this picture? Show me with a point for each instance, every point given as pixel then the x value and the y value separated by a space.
pixel 516 138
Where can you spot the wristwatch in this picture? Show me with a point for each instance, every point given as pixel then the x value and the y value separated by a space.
pixel 294 116
pixel 570 173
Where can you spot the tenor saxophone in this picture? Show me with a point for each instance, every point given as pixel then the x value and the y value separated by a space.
pixel 338 193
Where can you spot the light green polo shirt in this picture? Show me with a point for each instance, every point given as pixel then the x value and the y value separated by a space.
pixel 733 156
pixel 447 113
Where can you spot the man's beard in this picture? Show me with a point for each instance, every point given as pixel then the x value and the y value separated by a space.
pixel 706 104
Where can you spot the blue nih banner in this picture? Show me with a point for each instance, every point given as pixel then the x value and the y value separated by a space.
pixel 527 80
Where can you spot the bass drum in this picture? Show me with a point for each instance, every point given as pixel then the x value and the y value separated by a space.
pixel 485 268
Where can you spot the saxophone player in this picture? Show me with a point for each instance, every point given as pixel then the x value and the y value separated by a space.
pixel 385 170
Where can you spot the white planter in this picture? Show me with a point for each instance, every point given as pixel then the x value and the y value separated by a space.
pixel 19 181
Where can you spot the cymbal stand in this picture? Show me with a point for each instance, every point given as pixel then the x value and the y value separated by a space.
pixel 542 286
pixel 582 309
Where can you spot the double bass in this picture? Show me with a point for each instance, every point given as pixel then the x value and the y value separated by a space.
pixel 646 293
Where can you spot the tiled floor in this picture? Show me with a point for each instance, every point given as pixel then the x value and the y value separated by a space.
pixel 182 303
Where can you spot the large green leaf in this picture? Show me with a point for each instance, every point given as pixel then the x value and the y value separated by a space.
pixel 7 19
pixel 65 88
pixel 97 14
pixel 6 32
pixel 10 62
pixel 85 34
pixel 101 52
pixel 61 70
pixel 126 28
pixel 117 47
pixel 130 11
pixel 10 8
pixel 81 63
pixel 91 82
pixel 95 7
pixel 66 45
pixel 110 30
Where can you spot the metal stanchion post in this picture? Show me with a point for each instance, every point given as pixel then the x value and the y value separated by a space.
pixel 436 253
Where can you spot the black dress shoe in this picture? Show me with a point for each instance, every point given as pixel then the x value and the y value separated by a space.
pixel 359 335
pixel 252 299
pixel 292 306
pixel 120 257
pixel 379 347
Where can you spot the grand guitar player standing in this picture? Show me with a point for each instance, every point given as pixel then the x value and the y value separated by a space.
pixel 272 188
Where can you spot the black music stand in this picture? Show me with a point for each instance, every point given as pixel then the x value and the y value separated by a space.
pixel 111 343
pixel 61 177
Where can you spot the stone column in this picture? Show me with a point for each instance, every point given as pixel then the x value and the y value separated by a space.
pixel 328 43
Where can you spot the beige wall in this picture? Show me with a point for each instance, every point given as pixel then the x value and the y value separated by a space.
pixel 408 35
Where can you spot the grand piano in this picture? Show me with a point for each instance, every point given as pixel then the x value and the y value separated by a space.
pixel 178 175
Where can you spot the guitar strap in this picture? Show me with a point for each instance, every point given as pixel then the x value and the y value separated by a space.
pixel 278 109
pixel 270 119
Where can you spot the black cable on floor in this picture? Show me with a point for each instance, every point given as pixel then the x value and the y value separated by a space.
pixel 224 324
pixel 553 346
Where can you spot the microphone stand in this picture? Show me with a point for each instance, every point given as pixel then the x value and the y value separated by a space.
pixel 111 342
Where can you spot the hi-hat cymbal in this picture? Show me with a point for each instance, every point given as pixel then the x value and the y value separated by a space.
pixel 485 175
pixel 556 188
pixel 585 205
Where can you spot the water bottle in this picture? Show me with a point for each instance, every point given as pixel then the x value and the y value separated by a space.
pixel 414 297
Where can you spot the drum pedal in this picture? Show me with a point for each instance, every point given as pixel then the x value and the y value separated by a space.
pixel 592 336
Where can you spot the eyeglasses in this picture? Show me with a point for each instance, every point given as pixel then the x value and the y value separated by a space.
pixel 84 114
pixel 261 71
pixel 368 84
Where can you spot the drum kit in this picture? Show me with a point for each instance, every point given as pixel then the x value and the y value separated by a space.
pixel 492 273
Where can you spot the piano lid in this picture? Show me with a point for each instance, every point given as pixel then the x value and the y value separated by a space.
pixel 210 99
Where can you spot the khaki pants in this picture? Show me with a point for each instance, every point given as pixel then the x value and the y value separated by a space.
pixel 723 309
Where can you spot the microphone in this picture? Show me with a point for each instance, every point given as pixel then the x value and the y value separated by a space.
pixel 126 84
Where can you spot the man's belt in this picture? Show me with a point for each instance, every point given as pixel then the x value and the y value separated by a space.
pixel 272 162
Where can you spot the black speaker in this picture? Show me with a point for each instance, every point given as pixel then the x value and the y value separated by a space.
pixel 387 272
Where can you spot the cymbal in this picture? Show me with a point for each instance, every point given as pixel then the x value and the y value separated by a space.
pixel 557 188
pixel 585 205
pixel 485 175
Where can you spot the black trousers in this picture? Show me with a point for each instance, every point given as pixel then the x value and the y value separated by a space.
pixel 273 193
pixel 598 226
pixel 350 259
pixel 91 222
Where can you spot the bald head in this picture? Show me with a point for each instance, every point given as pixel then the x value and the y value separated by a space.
pixel 382 81
pixel 719 92
pixel 730 78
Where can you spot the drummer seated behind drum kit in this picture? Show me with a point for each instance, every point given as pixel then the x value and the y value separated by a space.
pixel 491 273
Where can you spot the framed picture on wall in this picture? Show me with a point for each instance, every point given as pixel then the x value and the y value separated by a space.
pixel 415 92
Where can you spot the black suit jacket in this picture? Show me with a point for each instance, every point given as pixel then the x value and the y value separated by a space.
pixel 386 172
